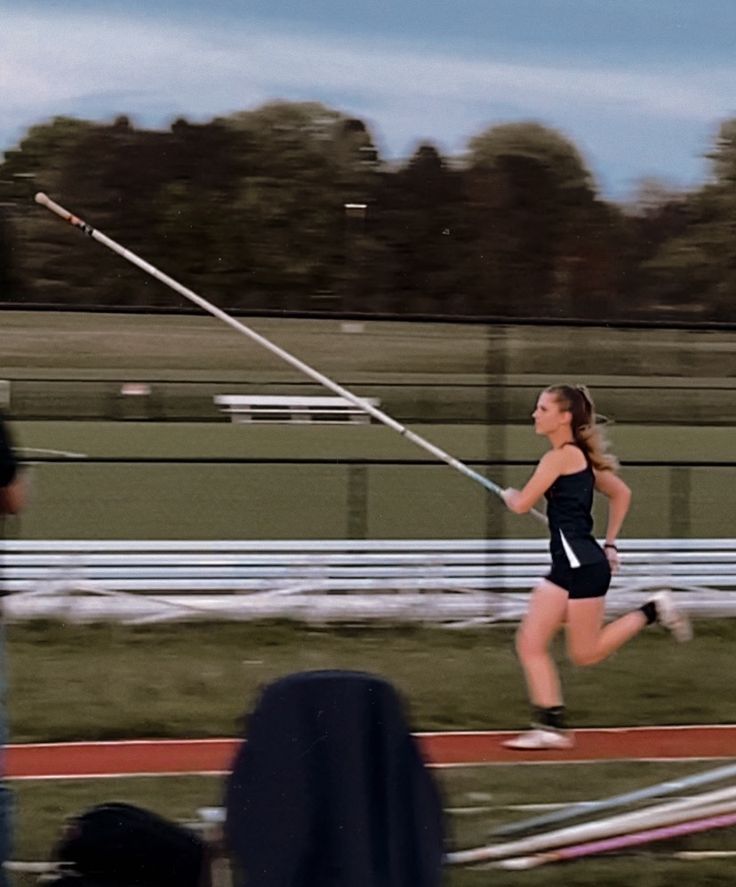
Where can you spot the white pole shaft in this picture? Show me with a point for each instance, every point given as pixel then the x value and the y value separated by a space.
pixel 662 814
pixel 660 790
pixel 131 257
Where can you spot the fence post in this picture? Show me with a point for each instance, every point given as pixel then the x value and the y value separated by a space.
pixel 357 501
pixel 496 420
pixel 680 502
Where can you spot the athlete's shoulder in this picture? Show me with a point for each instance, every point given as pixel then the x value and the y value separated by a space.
pixel 574 458
pixel 554 458
pixel 565 458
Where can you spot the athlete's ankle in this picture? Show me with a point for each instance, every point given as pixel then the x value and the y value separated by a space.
pixel 551 718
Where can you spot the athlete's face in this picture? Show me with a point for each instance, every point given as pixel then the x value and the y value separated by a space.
pixel 548 416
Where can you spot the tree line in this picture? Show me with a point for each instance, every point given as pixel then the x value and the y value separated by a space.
pixel 290 207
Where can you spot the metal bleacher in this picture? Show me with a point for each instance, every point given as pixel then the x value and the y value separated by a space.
pixel 289 408
pixel 439 580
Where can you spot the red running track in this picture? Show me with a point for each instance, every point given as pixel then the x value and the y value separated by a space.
pixel 159 757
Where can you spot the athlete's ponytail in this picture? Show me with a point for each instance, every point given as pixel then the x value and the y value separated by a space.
pixel 586 431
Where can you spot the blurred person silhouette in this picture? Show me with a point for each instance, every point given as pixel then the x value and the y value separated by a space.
pixel 573 592
pixel 12 500
pixel 330 790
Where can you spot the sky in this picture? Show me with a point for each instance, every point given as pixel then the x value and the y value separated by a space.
pixel 639 86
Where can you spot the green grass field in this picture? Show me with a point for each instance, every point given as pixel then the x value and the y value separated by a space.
pixel 468 388
pixel 185 346
pixel 197 489
pixel 65 365
pixel 192 679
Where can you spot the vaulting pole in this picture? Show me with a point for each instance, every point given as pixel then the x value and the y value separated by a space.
pixel 377 414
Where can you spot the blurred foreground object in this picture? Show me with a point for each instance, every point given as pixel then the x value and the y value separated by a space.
pixel 330 790
pixel 120 845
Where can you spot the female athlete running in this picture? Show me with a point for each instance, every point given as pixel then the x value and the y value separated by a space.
pixel 573 592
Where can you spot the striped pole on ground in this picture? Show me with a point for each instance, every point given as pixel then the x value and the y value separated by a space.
pixel 708 803
pixel 584 808
pixel 622 842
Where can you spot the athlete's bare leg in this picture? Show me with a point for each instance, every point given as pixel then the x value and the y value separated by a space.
pixel 588 640
pixel 544 618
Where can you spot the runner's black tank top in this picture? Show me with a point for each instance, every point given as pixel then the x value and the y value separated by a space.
pixel 569 512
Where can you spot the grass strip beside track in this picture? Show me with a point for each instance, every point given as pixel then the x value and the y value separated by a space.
pixel 192 680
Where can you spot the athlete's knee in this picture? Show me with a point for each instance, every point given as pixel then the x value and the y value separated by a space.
pixel 528 645
pixel 583 656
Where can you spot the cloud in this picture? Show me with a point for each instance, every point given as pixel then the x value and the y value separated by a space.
pixel 95 65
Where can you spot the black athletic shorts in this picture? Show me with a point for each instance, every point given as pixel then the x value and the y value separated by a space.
pixel 590 580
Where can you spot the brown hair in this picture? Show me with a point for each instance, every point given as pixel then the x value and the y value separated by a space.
pixel 586 431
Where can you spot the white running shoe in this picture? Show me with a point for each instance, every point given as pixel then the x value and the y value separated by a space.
pixel 539 738
pixel 671 617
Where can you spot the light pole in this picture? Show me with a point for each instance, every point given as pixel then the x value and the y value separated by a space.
pixel 355 214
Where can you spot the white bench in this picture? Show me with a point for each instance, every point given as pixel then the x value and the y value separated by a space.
pixel 332 580
pixel 288 408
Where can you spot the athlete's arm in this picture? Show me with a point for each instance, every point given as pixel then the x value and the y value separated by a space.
pixel 12 488
pixel 619 498
pixel 13 496
pixel 546 473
